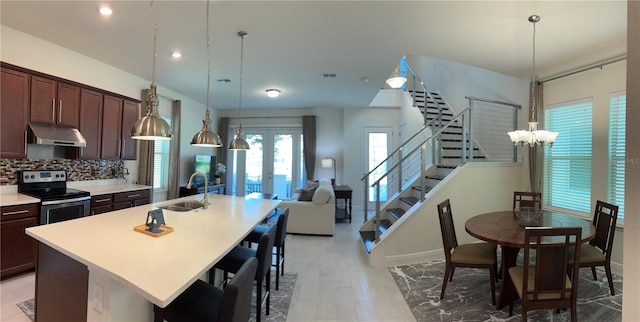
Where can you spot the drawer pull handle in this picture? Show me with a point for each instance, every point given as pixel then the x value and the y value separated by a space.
pixel 17 212
pixel 134 196
pixel 102 200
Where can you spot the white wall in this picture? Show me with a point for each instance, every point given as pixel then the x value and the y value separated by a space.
pixel 630 307
pixel 476 188
pixel 355 122
pixel 455 81
pixel 596 84
pixel 329 128
pixel 26 51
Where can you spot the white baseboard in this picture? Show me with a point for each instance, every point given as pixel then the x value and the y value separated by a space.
pixel 415 258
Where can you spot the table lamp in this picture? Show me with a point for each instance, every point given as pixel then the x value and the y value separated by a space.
pixel 330 162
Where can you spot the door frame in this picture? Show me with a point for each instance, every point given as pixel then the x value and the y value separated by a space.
pixel 366 130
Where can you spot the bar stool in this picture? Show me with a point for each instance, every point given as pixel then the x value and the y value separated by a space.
pixel 281 234
pixel 205 302
pixel 239 254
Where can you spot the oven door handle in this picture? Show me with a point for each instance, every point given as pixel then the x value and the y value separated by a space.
pixel 57 202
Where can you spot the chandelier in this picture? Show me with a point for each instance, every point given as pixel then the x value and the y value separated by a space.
pixel 533 136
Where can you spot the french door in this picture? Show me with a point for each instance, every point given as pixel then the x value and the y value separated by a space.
pixel 272 164
pixel 377 146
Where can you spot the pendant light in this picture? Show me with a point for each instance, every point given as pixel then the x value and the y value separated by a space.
pixel 533 136
pixel 396 80
pixel 239 142
pixel 206 137
pixel 152 126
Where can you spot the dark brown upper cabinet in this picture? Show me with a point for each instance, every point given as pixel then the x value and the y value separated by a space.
pixel 54 102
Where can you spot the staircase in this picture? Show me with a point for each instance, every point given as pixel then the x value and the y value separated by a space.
pixel 414 171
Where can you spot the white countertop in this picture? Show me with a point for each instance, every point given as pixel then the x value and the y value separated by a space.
pixel 14 199
pixel 157 268
pixel 9 196
pixel 113 188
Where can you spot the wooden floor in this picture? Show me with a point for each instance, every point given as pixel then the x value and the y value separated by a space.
pixel 334 282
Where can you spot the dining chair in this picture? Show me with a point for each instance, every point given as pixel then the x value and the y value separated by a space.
pixel 231 262
pixel 544 283
pixel 278 245
pixel 527 199
pixel 473 255
pixel 598 251
pixel 204 302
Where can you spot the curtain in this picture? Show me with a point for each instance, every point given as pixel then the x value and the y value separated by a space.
pixel 174 151
pixel 223 131
pixel 145 163
pixel 309 144
pixel 536 152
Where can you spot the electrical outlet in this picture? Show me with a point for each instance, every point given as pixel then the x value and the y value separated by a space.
pixel 98 298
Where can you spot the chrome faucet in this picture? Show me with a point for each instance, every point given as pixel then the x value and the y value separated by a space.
pixel 206 193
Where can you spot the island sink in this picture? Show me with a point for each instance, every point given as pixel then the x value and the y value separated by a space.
pixel 183 206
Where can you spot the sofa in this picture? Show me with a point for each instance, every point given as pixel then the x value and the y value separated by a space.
pixel 315 216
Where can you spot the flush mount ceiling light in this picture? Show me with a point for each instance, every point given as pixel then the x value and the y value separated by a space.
pixel 396 80
pixel 533 136
pixel 176 54
pixel 239 142
pixel 206 137
pixel 152 126
pixel 105 11
pixel 272 92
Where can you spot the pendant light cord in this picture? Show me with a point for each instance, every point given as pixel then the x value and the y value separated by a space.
pixel 533 77
pixel 242 34
pixel 208 64
pixel 155 40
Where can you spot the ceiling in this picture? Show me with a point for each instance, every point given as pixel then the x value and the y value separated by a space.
pixel 291 44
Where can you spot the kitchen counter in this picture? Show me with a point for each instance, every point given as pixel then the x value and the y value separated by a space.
pixel 10 197
pixel 131 267
pixel 104 189
pixel 14 199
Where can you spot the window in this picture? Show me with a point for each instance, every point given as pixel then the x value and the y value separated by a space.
pixel 617 139
pixel 567 165
pixel 161 162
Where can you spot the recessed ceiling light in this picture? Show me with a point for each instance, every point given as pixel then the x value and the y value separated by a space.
pixel 176 54
pixel 105 11
pixel 272 92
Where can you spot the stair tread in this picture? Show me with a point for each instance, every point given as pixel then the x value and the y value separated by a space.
pixel 409 200
pixel 457 148
pixel 427 188
pixel 435 176
pixel 458 157
pixel 368 237
pixel 396 212
pixel 384 225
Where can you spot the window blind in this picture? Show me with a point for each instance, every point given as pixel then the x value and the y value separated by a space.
pixel 567 165
pixel 161 162
pixel 617 139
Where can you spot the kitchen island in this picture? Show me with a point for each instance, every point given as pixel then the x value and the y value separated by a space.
pixel 118 273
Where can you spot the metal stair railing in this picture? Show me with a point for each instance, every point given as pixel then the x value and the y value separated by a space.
pixel 418 85
pixel 397 167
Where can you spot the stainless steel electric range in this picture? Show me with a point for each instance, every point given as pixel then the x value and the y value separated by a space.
pixel 58 203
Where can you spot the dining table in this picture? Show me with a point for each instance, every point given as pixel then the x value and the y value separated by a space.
pixel 502 228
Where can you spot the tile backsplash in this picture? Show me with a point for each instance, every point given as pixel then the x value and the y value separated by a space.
pixel 77 170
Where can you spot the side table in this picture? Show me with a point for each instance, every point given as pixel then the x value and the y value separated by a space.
pixel 343 192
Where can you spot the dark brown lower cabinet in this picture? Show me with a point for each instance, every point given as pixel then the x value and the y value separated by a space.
pixel 18 253
pixel 62 286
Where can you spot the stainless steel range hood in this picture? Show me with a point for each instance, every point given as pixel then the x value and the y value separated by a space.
pixel 55 135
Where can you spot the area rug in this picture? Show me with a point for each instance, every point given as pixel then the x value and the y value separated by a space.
pixel 280 300
pixel 468 296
